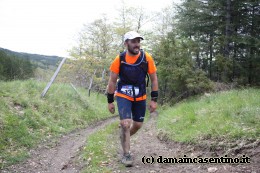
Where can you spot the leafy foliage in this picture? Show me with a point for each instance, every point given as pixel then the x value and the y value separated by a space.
pixel 206 40
pixel 226 34
pixel 178 76
pixel 81 72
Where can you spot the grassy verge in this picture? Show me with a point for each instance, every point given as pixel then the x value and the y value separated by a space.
pixel 100 149
pixel 227 115
pixel 26 119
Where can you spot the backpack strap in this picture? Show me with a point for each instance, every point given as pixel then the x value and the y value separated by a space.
pixel 122 56
pixel 147 75
pixel 148 78
pixel 121 59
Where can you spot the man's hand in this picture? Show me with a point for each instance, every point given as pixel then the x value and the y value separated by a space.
pixel 111 107
pixel 153 106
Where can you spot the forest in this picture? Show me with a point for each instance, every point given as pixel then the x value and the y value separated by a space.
pixel 198 46
pixel 13 68
pixel 22 66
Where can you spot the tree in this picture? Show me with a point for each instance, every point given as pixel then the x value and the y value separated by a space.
pixel 95 40
pixel 129 18
pixel 98 44
pixel 177 74
pixel 225 31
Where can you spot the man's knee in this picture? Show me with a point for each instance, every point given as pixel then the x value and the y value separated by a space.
pixel 137 125
pixel 126 123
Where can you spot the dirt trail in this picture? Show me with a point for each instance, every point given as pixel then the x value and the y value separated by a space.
pixel 63 157
pixel 59 158
pixel 146 143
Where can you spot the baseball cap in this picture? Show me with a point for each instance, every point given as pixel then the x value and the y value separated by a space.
pixel 132 35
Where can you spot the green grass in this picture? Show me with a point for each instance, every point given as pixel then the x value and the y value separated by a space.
pixel 100 149
pixel 227 115
pixel 26 119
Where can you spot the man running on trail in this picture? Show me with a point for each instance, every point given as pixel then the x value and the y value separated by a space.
pixel 132 67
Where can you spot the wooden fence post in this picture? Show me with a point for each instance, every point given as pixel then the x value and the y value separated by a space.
pixel 103 75
pixel 91 81
pixel 86 104
pixel 53 78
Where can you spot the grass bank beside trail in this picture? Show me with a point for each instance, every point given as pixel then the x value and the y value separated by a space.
pixel 100 150
pixel 27 119
pixel 228 115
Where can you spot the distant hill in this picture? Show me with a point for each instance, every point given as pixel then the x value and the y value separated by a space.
pixel 41 61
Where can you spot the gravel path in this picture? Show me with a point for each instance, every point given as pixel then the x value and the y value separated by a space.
pixel 59 158
pixel 148 144
pixel 145 145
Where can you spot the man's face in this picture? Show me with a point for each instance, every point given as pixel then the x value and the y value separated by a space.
pixel 133 46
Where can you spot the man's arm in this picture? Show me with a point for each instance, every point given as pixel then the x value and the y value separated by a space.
pixel 112 83
pixel 154 81
pixel 111 90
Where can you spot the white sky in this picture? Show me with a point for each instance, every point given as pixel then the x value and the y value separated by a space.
pixel 50 27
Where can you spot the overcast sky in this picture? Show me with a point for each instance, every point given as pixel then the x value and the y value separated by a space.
pixel 50 27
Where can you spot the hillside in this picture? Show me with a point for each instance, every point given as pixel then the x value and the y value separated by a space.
pixel 26 119
pixel 42 61
pixel 213 125
pixel 229 115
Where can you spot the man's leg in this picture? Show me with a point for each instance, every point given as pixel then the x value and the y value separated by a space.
pixel 124 109
pixel 125 134
pixel 138 113
pixel 135 127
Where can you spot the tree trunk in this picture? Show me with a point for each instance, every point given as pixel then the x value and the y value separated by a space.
pixel 251 47
pixel 227 29
pixel 210 55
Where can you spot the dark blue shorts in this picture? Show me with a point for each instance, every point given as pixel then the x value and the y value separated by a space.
pixel 131 110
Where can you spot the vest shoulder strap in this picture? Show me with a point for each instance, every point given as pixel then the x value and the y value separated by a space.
pixel 123 55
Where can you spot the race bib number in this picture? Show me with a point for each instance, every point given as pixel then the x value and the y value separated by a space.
pixel 127 89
